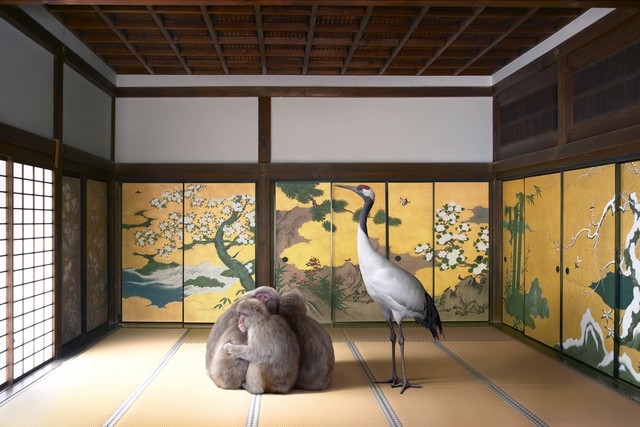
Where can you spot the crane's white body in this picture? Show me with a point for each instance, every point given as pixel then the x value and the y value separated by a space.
pixel 398 292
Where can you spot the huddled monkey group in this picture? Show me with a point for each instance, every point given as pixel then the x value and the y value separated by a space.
pixel 266 343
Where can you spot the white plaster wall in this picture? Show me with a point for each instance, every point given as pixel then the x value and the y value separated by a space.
pixel 186 130
pixel 26 83
pixel 86 115
pixel 381 130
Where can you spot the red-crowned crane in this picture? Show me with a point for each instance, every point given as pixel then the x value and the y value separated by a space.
pixel 399 293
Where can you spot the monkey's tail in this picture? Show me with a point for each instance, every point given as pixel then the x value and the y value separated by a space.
pixel 431 320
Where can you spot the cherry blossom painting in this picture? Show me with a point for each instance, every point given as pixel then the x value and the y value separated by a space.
pixel 188 249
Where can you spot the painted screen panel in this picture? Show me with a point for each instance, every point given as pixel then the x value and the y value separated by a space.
pixel 462 250
pixel 512 253
pixel 629 329
pixel 152 216
pixel 303 245
pixel 588 268
pixel 219 247
pixel 353 302
pixel 411 229
pixel 97 254
pixel 542 258
pixel 71 258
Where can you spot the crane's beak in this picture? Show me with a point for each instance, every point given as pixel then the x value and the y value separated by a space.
pixel 348 187
pixel 352 188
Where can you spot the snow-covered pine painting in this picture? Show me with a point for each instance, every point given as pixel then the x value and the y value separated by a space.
pixel 188 250
pixel 588 246
pixel 629 326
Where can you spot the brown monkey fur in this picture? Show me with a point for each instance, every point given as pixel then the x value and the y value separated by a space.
pixel 226 371
pixel 271 350
pixel 317 358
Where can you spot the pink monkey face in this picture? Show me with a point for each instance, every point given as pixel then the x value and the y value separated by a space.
pixel 263 297
pixel 241 325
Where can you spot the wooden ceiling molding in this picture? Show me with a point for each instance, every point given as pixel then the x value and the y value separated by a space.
pixel 357 37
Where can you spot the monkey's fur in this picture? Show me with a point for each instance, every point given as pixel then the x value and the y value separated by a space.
pixel 271 350
pixel 227 371
pixel 317 358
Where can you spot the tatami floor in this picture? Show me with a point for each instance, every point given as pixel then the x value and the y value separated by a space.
pixel 477 376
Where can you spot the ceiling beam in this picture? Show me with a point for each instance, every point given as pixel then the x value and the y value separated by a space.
pixel 407 36
pixel 338 3
pixel 214 38
pixel 263 57
pixel 451 39
pixel 158 20
pixel 122 38
pixel 497 40
pixel 310 34
pixel 356 40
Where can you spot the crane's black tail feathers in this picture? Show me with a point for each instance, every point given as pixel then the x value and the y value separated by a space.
pixel 431 320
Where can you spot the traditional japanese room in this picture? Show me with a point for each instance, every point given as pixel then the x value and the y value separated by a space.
pixel 312 213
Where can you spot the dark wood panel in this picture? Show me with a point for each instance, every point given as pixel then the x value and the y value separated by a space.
pixel 600 149
pixel 24 146
pixel 381 171
pixel 264 130
pixel 305 171
pixel 79 162
pixel 196 172
pixel 274 91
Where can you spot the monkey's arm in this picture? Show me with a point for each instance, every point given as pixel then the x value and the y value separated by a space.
pixel 244 352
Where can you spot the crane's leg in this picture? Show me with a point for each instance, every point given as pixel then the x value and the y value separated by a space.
pixel 405 383
pixel 394 380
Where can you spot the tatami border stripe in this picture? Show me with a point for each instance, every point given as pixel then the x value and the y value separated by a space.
pixel 115 417
pixel 254 410
pixel 387 410
pixel 497 390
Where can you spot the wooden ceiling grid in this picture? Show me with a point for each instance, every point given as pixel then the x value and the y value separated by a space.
pixel 374 38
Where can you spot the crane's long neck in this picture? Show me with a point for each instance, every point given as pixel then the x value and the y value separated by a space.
pixel 364 214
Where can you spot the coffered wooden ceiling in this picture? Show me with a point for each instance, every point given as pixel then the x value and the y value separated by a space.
pixel 358 37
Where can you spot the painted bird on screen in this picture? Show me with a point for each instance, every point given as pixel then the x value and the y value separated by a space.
pixel 399 293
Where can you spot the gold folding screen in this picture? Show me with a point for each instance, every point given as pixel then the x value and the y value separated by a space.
pixel 579 295
pixel 188 249
pixel 437 231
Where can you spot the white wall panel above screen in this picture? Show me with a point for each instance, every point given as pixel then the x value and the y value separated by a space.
pixel 384 130
pixel 186 130
pixel 87 116
pixel 26 83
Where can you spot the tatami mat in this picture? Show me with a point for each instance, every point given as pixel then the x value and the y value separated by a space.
pixel 450 395
pixel 476 376
pixel 183 395
pixel 557 394
pixel 85 391
pixel 347 402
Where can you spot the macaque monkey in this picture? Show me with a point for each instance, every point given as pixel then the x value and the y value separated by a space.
pixel 226 371
pixel 317 358
pixel 272 350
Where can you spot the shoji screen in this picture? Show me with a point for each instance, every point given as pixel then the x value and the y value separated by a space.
pixel 4 323
pixel 32 286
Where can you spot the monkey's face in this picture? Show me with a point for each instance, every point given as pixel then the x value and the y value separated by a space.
pixel 263 297
pixel 269 297
pixel 241 324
